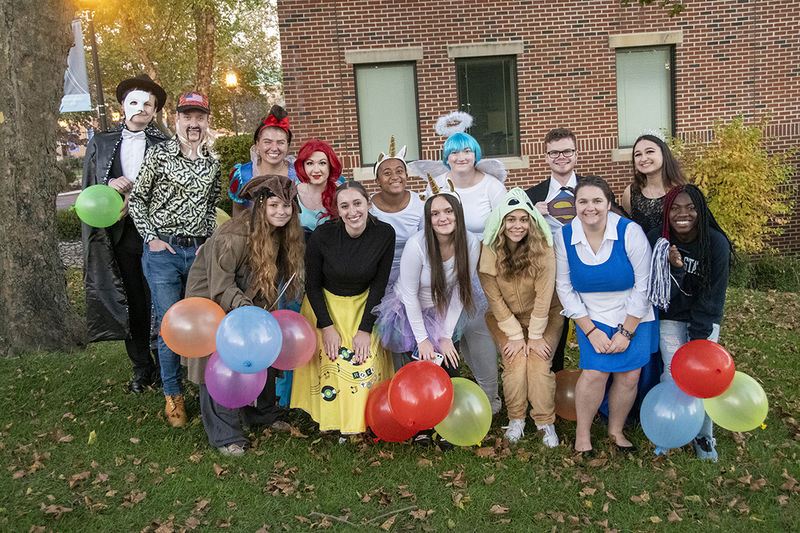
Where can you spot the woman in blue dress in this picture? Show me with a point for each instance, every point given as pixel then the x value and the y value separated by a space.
pixel 603 269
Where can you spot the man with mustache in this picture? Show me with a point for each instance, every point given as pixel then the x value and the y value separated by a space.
pixel 117 297
pixel 173 205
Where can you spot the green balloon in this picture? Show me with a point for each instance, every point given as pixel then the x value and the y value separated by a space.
pixel 470 415
pixel 742 407
pixel 99 206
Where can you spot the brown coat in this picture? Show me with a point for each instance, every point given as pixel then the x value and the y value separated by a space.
pixel 523 302
pixel 220 272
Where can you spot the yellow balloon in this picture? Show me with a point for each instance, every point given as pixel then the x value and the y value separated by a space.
pixel 470 415
pixel 742 407
pixel 222 216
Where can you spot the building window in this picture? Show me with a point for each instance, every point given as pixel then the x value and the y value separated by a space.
pixel 386 98
pixel 644 91
pixel 487 90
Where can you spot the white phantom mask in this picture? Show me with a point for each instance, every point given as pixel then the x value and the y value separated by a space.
pixel 134 102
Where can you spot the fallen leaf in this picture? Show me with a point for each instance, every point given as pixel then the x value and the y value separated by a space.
pixel 92 437
pixel 424 462
pixel 498 509
pixel 655 519
pixel 196 457
pixel 489 480
pixel 77 478
pixel 134 440
pixel 66 438
pixel 219 471
pixel 485 452
pixel 387 525
pixel 56 510
pixel 673 517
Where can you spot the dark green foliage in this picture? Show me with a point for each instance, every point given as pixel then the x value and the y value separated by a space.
pixel 766 272
pixel 68 225
pixel 231 149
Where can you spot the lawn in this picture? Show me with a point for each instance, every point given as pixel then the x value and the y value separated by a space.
pixel 79 453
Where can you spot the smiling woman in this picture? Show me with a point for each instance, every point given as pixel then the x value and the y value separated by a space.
pixel 318 172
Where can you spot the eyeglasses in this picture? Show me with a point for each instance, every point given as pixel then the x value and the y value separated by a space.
pixel 554 154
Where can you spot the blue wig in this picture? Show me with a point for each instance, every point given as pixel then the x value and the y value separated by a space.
pixel 458 142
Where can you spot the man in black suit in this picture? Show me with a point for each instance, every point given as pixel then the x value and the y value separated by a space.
pixel 555 199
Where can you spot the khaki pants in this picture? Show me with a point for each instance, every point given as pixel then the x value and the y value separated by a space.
pixel 528 379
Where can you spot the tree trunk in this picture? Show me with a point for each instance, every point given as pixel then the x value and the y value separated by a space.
pixel 205 27
pixel 35 313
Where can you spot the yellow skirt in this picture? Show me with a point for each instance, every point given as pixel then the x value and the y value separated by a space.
pixel 335 393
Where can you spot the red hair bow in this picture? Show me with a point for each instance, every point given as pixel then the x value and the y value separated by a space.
pixel 282 123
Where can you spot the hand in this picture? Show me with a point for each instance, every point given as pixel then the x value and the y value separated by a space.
pixel 675 258
pixel 449 352
pixel 425 350
pixel 124 211
pixel 331 342
pixel 619 343
pixel 157 245
pixel 121 184
pixel 512 348
pixel 599 340
pixel 542 207
pixel 540 348
pixel 361 342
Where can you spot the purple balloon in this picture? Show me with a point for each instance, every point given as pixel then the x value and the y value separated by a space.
pixel 232 389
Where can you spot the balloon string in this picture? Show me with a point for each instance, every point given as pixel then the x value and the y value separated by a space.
pixel 283 291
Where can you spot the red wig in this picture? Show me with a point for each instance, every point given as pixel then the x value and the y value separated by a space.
pixel 315 145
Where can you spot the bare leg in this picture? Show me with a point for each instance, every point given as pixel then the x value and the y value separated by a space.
pixel 589 392
pixel 620 400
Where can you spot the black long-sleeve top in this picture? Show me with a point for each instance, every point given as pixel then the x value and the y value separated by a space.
pixel 689 302
pixel 348 266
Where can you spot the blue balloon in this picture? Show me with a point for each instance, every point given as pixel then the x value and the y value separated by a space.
pixel 249 339
pixel 671 418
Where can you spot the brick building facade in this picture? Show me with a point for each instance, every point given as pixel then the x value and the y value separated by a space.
pixel 564 59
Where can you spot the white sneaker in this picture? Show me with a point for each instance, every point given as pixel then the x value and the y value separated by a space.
pixel 550 438
pixel 516 430
pixel 234 450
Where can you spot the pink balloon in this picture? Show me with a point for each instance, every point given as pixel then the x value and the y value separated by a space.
pixel 232 389
pixel 299 340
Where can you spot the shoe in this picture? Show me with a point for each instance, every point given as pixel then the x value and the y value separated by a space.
pixel 422 439
pixel 231 450
pixel 176 413
pixel 550 438
pixel 624 449
pixel 139 384
pixel 445 445
pixel 516 430
pixel 706 448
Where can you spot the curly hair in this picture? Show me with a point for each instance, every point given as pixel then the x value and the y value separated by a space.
pixel 275 253
pixel 525 260
pixel 315 145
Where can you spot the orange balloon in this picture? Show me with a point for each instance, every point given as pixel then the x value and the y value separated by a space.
pixel 189 328
pixel 565 393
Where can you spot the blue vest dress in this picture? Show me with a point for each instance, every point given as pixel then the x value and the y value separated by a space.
pixel 615 274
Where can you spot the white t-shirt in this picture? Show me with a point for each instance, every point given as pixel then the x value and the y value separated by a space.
pixel 477 201
pixel 414 283
pixel 406 223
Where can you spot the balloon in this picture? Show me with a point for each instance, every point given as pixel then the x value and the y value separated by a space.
pixel 470 416
pixel 565 393
pixel 248 339
pixel 221 217
pixel 232 389
pixel 742 407
pixel 189 326
pixel 671 418
pixel 99 206
pixel 420 395
pixel 702 368
pixel 299 340
pixel 379 417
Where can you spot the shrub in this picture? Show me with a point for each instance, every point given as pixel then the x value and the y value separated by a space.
pixel 231 149
pixel 68 225
pixel 747 187
pixel 766 272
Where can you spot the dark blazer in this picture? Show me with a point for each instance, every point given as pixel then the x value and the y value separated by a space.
pixel 538 193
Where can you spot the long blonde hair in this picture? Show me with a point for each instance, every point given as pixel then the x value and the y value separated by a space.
pixel 275 253
pixel 526 259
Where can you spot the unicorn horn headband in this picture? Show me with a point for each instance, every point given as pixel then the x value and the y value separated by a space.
pixel 435 189
pixel 399 156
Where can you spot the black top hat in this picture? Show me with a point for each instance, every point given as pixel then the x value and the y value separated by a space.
pixel 145 83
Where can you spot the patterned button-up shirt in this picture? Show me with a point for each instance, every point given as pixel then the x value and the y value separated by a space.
pixel 174 194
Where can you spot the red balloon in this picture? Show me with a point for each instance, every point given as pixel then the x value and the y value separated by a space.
pixel 189 327
pixel 702 368
pixel 299 340
pixel 420 395
pixel 565 393
pixel 379 417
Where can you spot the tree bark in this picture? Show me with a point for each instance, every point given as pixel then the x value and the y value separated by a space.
pixel 205 28
pixel 35 313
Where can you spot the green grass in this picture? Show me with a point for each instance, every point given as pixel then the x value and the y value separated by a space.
pixel 139 474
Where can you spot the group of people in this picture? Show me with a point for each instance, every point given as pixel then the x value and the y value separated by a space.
pixel 466 270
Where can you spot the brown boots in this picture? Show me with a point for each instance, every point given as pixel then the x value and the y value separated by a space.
pixel 176 413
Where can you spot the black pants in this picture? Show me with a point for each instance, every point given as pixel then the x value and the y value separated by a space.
pixel 558 355
pixel 128 254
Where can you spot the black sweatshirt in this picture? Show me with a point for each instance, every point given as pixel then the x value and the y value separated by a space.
pixel 348 266
pixel 688 301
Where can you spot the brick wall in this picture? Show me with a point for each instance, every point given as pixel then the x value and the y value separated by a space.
pixel 736 57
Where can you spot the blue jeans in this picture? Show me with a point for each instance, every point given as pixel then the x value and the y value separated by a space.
pixel 673 335
pixel 166 275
